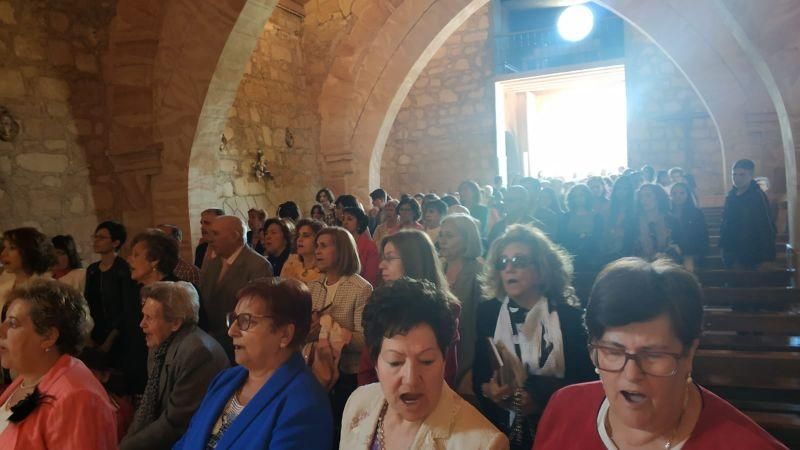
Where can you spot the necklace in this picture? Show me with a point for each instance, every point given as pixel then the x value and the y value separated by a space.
pixel 673 434
pixel 34 384
pixel 379 436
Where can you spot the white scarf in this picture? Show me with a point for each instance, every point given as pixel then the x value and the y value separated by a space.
pixel 538 320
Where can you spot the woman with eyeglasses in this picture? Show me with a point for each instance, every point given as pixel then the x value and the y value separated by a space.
pixel 271 399
pixel 644 321
pixel 534 328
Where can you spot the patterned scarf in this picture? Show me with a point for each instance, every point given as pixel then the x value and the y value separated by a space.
pixel 149 409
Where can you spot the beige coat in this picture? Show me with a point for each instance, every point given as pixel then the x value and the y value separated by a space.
pixel 453 424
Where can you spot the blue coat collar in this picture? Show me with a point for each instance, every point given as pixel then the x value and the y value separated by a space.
pixel 274 386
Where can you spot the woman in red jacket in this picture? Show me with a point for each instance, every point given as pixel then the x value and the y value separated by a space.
pixel 54 402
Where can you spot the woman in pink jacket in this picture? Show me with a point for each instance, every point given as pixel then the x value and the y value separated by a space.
pixel 54 402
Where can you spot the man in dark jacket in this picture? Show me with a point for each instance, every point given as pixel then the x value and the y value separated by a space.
pixel 747 233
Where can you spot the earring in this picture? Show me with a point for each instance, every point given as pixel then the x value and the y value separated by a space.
pixel 597 371
pixel 689 379
pixel 47 349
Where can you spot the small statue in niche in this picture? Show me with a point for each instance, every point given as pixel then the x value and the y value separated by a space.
pixel 9 128
pixel 289 138
pixel 260 169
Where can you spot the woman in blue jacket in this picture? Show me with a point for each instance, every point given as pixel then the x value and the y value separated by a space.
pixel 271 400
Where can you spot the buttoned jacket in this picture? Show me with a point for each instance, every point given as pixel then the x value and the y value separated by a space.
pixel 453 424
pixel 348 306
pixel 218 296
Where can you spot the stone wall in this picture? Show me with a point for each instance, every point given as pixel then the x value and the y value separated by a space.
pixel 668 125
pixel 445 131
pixel 272 98
pixel 50 81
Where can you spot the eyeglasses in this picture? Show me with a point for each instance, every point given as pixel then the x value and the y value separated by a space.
pixel 390 258
pixel 244 320
pixel 657 364
pixel 517 262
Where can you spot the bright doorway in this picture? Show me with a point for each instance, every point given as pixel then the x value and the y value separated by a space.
pixel 568 124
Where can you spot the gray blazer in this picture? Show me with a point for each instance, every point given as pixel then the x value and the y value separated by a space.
pixel 192 361
pixel 219 298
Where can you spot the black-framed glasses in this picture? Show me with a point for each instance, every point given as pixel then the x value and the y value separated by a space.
pixel 244 320
pixel 517 262
pixel 613 359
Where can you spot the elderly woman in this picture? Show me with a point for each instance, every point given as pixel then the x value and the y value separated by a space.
pixel 460 247
pixel 409 326
pixel 302 265
pixel 410 253
pixel 271 399
pixel 355 221
pixel 153 257
pixel 342 294
pixel 644 321
pixel 27 255
pixel 278 242
pixel 182 361
pixel 533 324
pixel 55 402
pixel 68 268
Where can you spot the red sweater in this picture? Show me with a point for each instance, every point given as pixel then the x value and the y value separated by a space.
pixel 369 257
pixel 570 422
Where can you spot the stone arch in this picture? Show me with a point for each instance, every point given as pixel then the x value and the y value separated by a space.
pixel 367 84
pixel 181 63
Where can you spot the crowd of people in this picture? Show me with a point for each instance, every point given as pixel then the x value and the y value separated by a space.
pixel 426 321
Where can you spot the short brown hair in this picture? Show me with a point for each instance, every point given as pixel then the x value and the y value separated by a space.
pixel 287 300
pixel 56 305
pixel 632 290
pixel 260 213
pixel 314 224
pixel 286 226
pixel 346 252
pixel 160 248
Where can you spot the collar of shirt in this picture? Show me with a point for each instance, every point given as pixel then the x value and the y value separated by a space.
pixel 232 259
